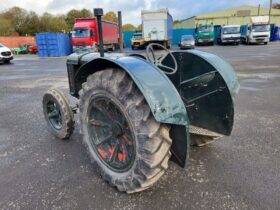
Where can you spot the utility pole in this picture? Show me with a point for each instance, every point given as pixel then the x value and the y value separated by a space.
pixel 120 31
pixel 270 5
pixel 259 10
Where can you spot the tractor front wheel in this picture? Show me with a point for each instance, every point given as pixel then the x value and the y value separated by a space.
pixel 129 145
pixel 58 114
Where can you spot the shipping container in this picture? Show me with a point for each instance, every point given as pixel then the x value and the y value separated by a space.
pixel 53 44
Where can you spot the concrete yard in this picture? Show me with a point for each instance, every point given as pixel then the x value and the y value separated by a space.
pixel 242 171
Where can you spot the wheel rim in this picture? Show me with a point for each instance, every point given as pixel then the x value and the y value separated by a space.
pixel 111 134
pixel 54 115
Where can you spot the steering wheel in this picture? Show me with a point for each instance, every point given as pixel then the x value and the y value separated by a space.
pixel 157 59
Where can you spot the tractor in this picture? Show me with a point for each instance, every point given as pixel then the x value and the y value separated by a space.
pixel 138 111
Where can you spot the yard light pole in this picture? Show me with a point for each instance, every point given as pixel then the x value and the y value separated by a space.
pixel 270 5
pixel 98 13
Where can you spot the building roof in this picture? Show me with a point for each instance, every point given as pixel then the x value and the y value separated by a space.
pixel 240 11
pixel 244 10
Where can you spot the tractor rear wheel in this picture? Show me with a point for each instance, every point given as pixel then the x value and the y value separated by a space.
pixel 131 148
pixel 58 114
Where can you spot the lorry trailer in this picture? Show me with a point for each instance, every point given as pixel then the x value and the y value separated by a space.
pixel 157 27
pixel 85 34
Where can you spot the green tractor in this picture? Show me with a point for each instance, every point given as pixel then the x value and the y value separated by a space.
pixel 136 112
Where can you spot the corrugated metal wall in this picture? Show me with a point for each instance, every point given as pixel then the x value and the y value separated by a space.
pixel 53 44
pixel 177 33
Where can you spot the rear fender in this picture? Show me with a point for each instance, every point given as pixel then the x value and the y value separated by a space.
pixel 207 85
pixel 161 95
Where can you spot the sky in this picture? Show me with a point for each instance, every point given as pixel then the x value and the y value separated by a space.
pixel 131 9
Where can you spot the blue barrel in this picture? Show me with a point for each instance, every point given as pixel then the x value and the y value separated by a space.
pixel 51 44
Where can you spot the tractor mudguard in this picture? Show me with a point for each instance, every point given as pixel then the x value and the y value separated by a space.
pixel 161 95
pixel 207 84
pixel 224 69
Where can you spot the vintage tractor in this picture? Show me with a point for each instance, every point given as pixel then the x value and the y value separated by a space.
pixel 138 111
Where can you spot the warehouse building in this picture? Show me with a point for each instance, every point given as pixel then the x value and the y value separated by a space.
pixel 232 16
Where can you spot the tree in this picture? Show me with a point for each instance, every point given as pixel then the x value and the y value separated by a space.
pixel 50 23
pixel 175 22
pixel 110 16
pixel 276 6
pixel 72 14
pixel 17 16
pixel 139 27
pixel 31 24
pixel 128 27
pixel 6 28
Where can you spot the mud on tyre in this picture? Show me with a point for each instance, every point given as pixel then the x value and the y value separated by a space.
pixel 121 134
pixel 58 114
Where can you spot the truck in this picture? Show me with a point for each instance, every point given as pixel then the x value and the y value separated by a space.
pixel 258 31
pixel 137 41
pixel 85 34
pixel 229 34
pixel 157 27
pixel 204 34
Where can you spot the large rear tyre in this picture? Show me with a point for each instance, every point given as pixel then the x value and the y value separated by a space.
pixel 58 114
pixel 129 145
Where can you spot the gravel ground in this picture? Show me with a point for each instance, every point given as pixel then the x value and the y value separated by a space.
pixel 237 172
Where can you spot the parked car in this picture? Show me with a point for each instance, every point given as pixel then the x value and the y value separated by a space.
pixel 32 49
pixel 6 54
pixel 187 42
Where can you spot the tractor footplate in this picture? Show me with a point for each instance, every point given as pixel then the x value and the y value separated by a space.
pixel 204 132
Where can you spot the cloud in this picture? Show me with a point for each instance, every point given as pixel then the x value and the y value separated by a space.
pixel 131 9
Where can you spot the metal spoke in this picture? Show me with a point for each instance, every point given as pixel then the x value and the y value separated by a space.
pixel 166 67
pixel 126 139
pixel 102 111
pixel 98 123
pixel 53 114
pixel 111 134
pixel 104 140
pixel 114 155
pixel 161 58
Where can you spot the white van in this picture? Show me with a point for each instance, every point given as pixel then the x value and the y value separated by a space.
pixel 6 54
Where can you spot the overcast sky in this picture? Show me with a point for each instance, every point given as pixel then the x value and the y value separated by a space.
pixel 131 9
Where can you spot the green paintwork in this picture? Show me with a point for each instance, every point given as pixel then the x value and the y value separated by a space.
pixel 206 36
pixel 224 68
pixel 207 84
pixel 159 92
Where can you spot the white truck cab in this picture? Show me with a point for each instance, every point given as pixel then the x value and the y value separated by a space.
pixel 258 31
pixel 229 34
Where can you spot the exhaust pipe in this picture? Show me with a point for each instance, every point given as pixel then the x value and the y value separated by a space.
pixel 98 13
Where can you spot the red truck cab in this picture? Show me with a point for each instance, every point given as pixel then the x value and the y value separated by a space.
pixel 85 34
